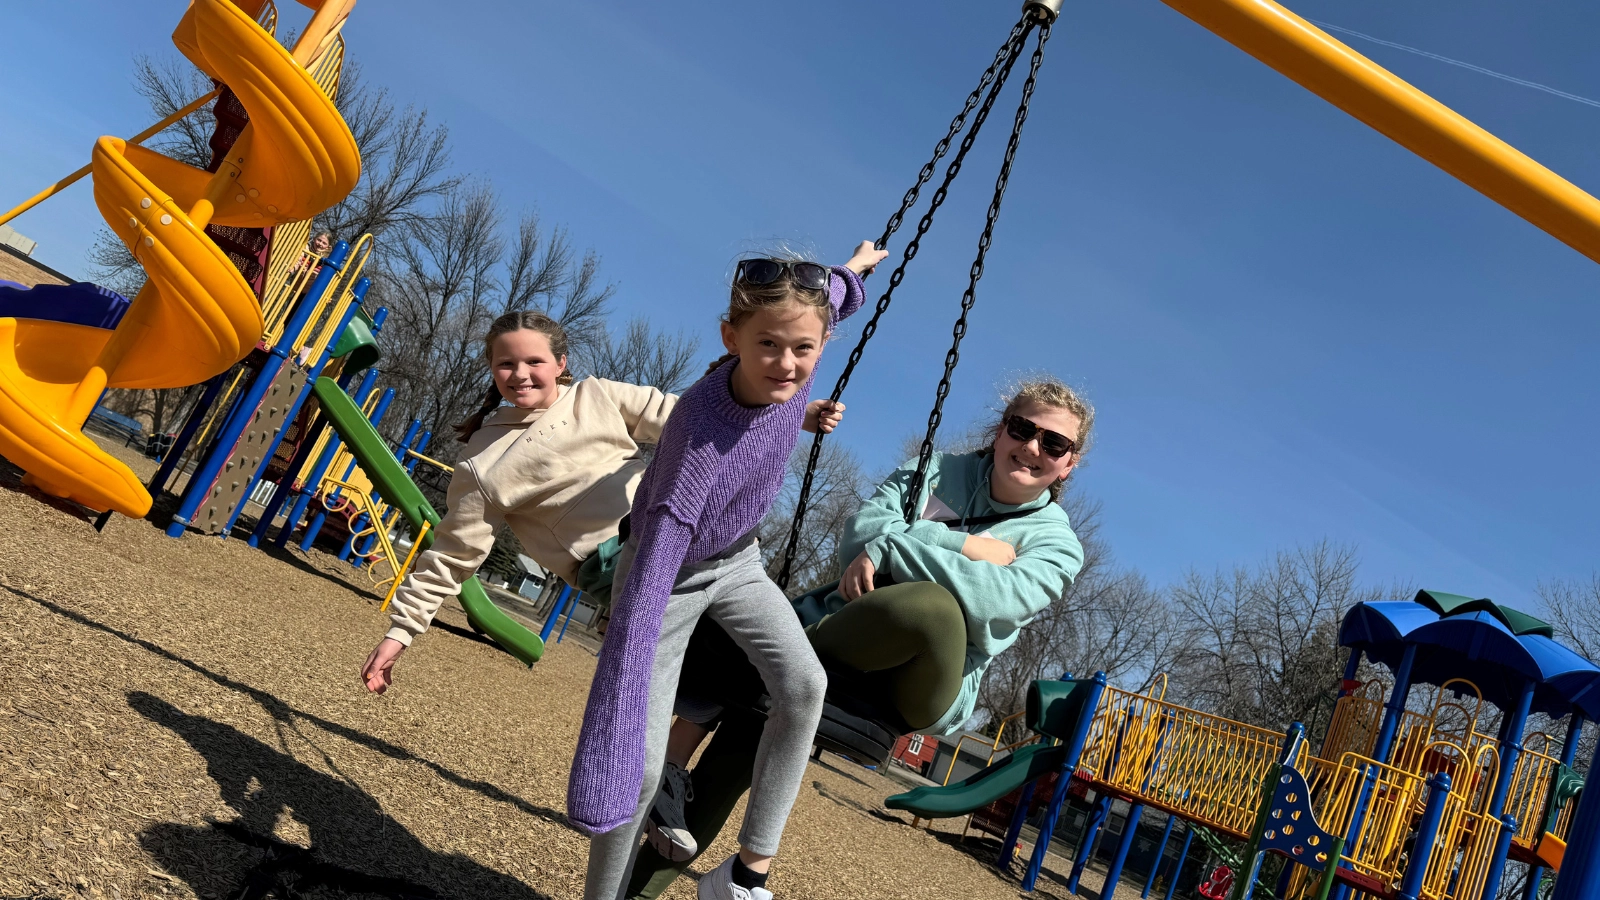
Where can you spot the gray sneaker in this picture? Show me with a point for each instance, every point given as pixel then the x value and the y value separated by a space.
pixel 717 884
pixel 668 833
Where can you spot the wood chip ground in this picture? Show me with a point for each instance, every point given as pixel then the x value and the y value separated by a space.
pixel 183 718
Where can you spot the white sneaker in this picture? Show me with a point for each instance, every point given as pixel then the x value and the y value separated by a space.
pixel 718 885
pixel 668 833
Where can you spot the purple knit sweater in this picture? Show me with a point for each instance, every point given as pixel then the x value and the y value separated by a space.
pixel 714 475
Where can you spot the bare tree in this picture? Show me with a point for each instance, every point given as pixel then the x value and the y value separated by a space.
pixel 1574 609
pixel 642 356
pixel 1261 645
pixel 836 492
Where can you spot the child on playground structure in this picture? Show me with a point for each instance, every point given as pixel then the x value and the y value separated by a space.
pixel 919 612
pixel 559 464
pixel 692 551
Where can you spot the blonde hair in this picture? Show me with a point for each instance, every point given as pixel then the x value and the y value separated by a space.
pixel 521 320
pixel 1055 394
pixel 745 299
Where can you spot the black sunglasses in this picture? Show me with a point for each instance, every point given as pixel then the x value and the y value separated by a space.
pixel 807 275
pixel 1054 444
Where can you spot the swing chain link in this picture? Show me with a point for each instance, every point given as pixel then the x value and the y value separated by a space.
pixel 969 298
pixel 1004 58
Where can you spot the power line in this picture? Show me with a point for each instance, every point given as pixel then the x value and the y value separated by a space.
pixel 1465 65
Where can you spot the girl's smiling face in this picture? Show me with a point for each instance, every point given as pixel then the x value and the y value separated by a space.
pixel 525 369
pixel 1022 470
pixel 777 346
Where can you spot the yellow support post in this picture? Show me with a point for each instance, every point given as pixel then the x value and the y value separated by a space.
pixel 1326 67
pixel 416 544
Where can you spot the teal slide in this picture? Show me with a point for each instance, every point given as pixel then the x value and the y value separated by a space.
pixel 397 490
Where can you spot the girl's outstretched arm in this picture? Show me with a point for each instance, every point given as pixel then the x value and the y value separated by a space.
pixel 645 409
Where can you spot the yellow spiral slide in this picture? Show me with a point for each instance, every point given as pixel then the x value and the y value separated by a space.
pixel 195 316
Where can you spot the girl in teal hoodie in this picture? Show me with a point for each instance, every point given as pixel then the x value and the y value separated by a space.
pixel 921 609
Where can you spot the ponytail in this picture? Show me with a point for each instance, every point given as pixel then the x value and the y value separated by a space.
pixel 468 428
pixel 720 360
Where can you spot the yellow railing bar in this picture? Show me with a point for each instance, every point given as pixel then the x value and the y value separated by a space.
pixel 451 469
pixel 1319 63
pixel 139 138
pixel 374 516
pixel 416 544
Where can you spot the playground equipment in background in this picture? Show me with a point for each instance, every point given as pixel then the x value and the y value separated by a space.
pixel 1421 795
pixel 197 314
pixel 388 477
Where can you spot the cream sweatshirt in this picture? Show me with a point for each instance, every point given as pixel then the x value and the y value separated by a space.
pixel 562 478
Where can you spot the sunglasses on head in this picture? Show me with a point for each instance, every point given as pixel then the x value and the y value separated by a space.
pixel 1054 444
pixel 808 275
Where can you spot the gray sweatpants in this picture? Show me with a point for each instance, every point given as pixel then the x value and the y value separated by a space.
pixel 735 591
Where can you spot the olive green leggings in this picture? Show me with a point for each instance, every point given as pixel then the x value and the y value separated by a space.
pixel 911 639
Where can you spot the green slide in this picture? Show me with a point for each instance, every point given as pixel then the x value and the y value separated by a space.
pixel 377 460
pixel 983 788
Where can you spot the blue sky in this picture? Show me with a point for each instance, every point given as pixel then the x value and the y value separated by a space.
pixel 1293 328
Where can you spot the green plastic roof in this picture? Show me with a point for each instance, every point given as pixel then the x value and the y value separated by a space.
pixel 1517 621
pixel 357 341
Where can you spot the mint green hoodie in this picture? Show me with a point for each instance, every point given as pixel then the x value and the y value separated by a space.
pixel 998 600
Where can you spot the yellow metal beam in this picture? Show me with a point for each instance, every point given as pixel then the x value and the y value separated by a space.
pixel 139 138
pixel 1311 58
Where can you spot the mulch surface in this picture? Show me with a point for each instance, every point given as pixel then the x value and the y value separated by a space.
pixel 183 718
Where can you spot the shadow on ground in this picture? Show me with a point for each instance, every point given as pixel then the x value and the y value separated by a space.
pixel 291 717
pixel 355 849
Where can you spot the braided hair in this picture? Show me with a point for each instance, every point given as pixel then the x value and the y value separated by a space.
pixel 520 320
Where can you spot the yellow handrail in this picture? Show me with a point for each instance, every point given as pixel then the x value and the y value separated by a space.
pixel 432 462
pixel 416 544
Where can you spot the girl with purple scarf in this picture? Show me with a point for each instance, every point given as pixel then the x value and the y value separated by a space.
pixel 692 550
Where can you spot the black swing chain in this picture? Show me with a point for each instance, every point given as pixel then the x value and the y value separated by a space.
pixel 968 299
pixel 1004 58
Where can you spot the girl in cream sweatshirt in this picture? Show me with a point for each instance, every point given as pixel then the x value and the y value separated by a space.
pixel 559 465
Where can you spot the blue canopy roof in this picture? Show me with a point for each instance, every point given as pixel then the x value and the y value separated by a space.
pixel 1493 647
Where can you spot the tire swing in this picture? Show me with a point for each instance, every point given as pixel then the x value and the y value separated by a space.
pixel 851 725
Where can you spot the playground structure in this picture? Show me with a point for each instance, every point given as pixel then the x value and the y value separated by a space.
pixel 290 157
pixel 1424 786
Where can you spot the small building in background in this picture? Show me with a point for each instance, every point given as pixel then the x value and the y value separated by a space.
pixel 915 752
pixel 534 577
pixel 974 755
pixel 17 264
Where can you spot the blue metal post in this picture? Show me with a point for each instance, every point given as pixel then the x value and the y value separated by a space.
pixel 1580 868
pixel 1497 866
pixel 572 607
pixel 1427 835
pixel 1166 834
pixel 1183 857
pixel 358 293
pixel 1129 828
pixel 421 447
pixel 1511 748
pixel 175 452
pixel 205 477
pixel 405 442
pixel 1098 813
pixel 1396 707
pixel 1019 816
pixel 555 613
pixel 1080 736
